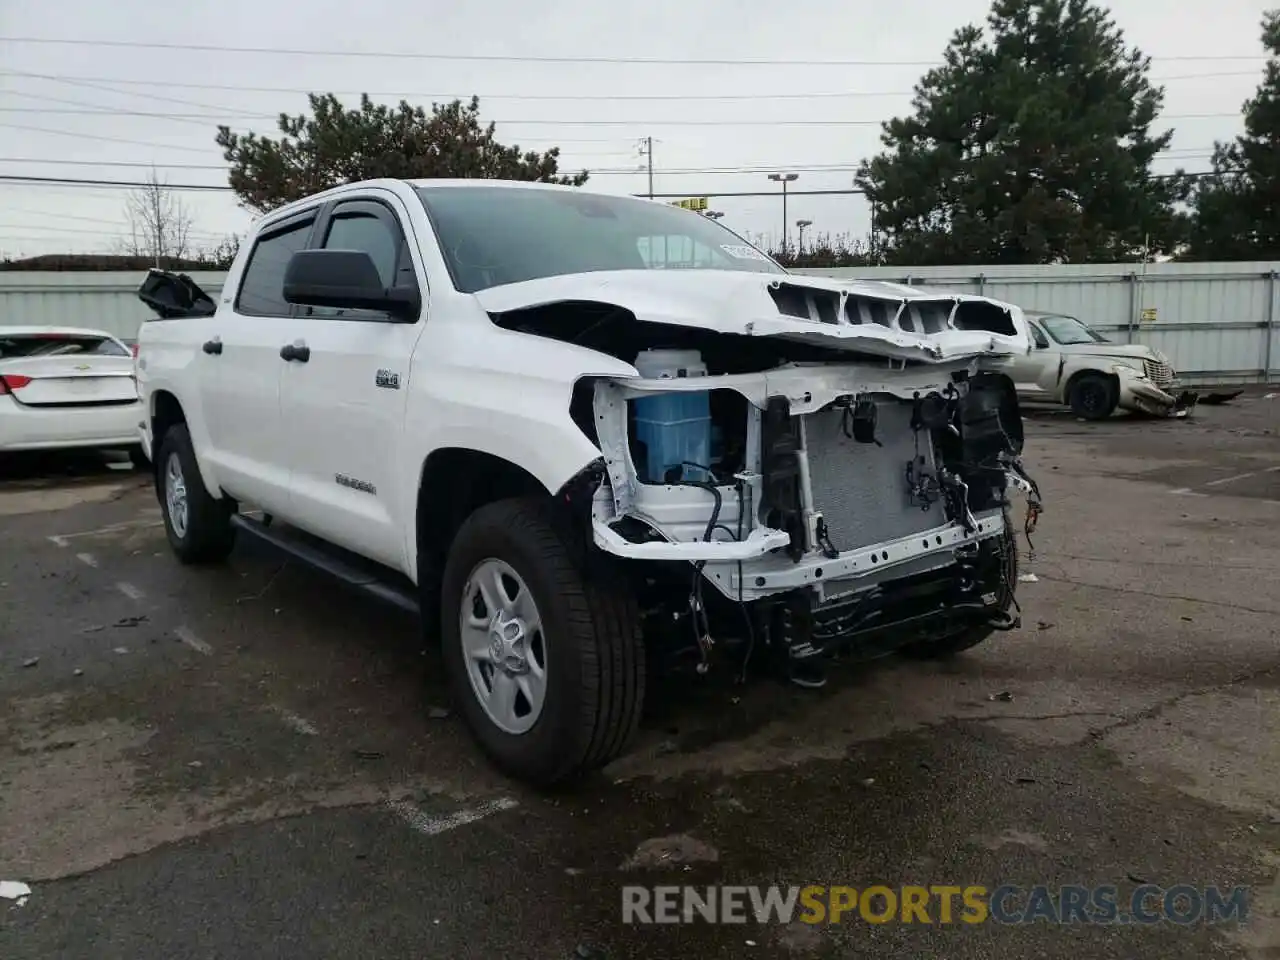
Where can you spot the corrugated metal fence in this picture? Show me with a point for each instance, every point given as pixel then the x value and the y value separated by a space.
pixel 1217 321
pixel 103 300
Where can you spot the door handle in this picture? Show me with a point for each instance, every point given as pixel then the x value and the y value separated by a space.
pixel 213 346
pixel 295 351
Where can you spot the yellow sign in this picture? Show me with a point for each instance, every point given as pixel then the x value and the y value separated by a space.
pixel 1148 314
pixel 693 203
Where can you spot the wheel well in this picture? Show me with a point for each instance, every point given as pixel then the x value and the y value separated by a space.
pixel 455 483
pixel 1080 374
pixel 166 412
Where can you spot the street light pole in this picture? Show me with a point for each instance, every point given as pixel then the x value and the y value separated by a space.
pixel 802 224
pixel 784 179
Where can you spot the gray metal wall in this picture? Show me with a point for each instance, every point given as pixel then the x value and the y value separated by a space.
pixel 1217 321
pixel 102 300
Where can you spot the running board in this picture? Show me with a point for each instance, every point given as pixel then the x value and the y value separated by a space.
pixel 363 575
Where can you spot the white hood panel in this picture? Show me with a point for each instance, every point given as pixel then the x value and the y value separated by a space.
pixel 740 303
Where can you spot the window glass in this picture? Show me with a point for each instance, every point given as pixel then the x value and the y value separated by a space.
pixel 1038 336
pixel 58 345
pixel 497 235
pixel 1069 331
pixel 363 231
pixel 262 290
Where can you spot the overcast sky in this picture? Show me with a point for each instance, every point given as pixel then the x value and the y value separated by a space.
pixel 1208 56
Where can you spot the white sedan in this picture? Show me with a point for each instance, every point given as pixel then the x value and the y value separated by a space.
pixel 64 388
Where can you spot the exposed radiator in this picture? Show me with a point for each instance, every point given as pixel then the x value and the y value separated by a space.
pixel 860 488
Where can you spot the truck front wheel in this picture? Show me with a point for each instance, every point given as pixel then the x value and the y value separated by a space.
pixel 544 656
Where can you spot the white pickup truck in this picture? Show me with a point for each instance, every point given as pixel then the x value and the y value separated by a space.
pixel 582 433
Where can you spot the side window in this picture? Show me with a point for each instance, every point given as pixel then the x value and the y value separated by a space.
pixel 262 288
pixel 1042 342
pixel 364 230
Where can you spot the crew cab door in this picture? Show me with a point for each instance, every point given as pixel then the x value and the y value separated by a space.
pixel 242 370
pixel 343 407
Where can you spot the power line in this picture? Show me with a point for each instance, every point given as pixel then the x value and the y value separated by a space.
pixel 791 122
pixel 751 97
pixel 20 179
pixel 208 117
pixel 513 58
pixel 837 167
pixel 92 136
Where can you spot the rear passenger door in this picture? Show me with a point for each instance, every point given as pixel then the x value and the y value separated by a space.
pixel 343 409
pixel 241 370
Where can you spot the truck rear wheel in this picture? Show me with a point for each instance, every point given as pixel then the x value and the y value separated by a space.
pixel 197 523
pixel 544 657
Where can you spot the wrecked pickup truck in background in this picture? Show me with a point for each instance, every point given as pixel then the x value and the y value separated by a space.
pixel 585 433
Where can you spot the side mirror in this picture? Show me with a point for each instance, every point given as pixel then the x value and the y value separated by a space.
pixel 347 280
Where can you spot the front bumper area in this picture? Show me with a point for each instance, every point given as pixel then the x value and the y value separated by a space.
pixel 911 606
pixel 754 567
pixel 1141 395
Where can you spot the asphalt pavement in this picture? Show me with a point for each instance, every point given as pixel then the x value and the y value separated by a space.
pixel 247 761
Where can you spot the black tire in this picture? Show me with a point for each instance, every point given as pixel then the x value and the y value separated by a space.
pixel 206 535
pixel 1092 397
pixel 949 646
pixel 594 654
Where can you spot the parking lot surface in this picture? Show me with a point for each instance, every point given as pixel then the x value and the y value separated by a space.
pixel 247 761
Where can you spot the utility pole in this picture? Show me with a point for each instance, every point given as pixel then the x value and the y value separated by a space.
pixel 646 150
pixel 784 179
pixel 802 224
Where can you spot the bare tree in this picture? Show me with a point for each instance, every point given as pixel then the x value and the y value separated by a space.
pixel 159 222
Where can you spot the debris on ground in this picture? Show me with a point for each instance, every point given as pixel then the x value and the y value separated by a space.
pixel 27 664
pixel 369 754
pixel 1043 625
pixel 1004 696
pixel 131 621
pixel 1216 398
pixel 438 713
pixel 14 890
pixel 1028 578
pixel 677 848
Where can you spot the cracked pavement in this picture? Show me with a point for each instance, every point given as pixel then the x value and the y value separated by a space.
pixel 243 762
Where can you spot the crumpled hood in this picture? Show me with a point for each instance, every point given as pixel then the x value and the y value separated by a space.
pixel 1121 351
pixel 743 303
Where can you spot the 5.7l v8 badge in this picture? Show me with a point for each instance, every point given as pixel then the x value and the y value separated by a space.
pixel 387 379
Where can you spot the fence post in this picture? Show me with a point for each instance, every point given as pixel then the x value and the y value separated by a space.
pixel 982 284
pixel 1133 307
pixel 1271 326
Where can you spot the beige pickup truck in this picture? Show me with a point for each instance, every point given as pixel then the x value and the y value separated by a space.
pixel 1075 365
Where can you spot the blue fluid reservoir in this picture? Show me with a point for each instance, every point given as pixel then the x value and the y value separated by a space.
pixel 674 427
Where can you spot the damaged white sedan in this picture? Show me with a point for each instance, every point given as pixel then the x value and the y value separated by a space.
pixel 582 433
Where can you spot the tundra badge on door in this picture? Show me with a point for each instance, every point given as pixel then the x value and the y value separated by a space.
pixel 387 379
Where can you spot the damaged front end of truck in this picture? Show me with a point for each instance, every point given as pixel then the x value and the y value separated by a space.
pixel 812 467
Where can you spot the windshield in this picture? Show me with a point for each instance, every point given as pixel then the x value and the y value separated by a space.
pixel 1068 331
pixel 497 235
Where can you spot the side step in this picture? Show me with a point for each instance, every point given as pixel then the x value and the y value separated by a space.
pixel 368 577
